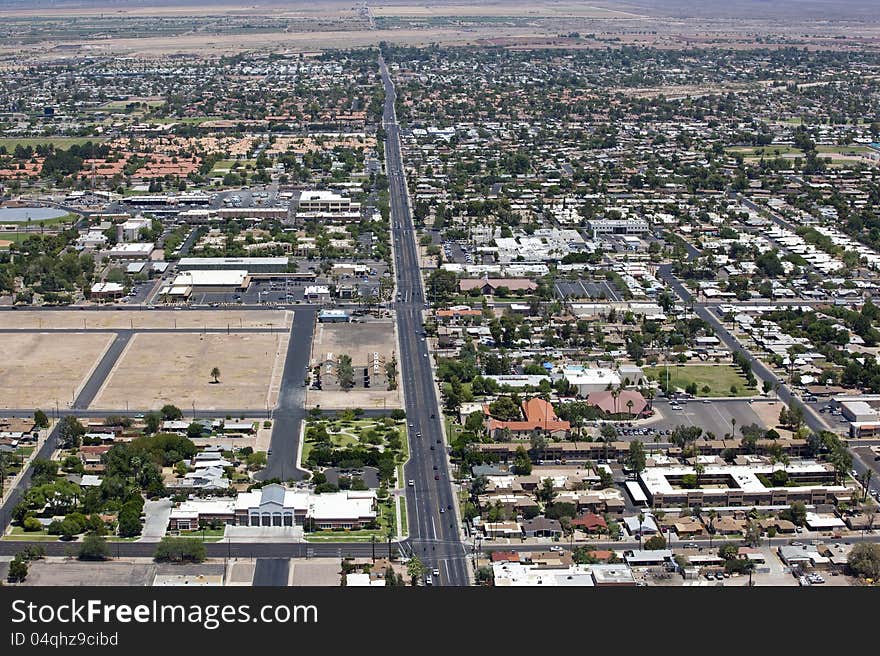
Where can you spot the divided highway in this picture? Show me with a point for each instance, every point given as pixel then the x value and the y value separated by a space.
pixel 430 502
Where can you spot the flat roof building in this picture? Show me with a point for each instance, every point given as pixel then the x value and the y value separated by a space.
pixel 250 264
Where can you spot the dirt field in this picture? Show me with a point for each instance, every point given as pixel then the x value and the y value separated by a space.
pixel 121 319
pixel 360 341
pixel 38 369
pixel 157 369
pixel 58 573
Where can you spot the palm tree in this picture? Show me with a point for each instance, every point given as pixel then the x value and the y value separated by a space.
pixel 629 407
pixel 215 374
pixel 641 520
pixel 733 426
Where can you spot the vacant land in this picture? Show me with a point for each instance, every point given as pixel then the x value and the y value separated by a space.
pixel 65 573
pixel 128 319
pixel 717 378
pixel 38 369
pixel 156 369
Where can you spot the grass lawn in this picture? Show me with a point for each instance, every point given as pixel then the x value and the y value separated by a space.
pixel 17 533
pixel 347 433
pixel 718 378
pixel 403 523
pixel 58 142
pixel 844 150
pixel 338 439
pixel 766 151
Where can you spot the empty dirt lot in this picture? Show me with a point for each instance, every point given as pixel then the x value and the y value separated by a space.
pixel 127 319
pixel 55 572
pixel 156 369
pixel 38 369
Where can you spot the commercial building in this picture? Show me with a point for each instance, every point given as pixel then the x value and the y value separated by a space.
pixel 618 227
pixel 276 505
pixel 279 213
pixel 587 380
pixel 132 251
pixel 250 264
pixel 105 290
pixel 201 281
pixel 328 206
pixel 742 485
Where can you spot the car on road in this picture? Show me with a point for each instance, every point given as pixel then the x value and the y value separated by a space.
pixel 436 477
pixel 435 467
pixel 429 580
pixel 442 510
pixel 436 572
pixel 269 452
pixel 411 483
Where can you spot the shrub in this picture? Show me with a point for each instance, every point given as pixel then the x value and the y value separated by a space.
pixel 32 524
pixel 180 550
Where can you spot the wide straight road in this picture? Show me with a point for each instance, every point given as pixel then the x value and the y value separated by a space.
pixel 290 411
pixel 431 504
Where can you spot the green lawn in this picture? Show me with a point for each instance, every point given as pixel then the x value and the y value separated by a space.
pixel 766 151
pixel 403 523
pixel 343 433
pixel 58 142
pixel 718 378
pixel 844 150
pixel 17 533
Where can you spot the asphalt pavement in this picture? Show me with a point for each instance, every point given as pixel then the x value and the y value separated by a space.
pixel 431 504
pixel 271 572
pixel 290 411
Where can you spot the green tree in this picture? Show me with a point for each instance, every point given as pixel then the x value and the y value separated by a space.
pixel 522 464
pixel 18 570
pixel 152 420
pixel 636 459
pixel 655 542
pixel 345 372
pixel 215 374
pixel 180 550
pixel 171 412
pixel 416 570
pixel 40 419
pixel 129 521
pixel 70 433
pixel 93 547
pixel 864 560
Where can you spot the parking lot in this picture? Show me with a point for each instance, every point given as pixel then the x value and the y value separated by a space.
pixel 713 417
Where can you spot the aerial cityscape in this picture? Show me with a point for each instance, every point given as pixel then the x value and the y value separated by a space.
pixel 355 294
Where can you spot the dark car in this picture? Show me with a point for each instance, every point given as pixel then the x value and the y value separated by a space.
pixel 436 477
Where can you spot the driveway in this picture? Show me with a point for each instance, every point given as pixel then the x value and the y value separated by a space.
pixel 156 523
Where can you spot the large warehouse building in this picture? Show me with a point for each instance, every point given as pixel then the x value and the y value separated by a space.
pixel 249 264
